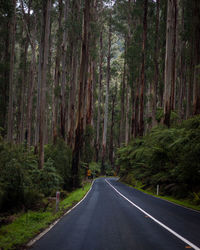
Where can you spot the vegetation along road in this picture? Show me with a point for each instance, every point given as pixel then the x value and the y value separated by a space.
pixel 115 216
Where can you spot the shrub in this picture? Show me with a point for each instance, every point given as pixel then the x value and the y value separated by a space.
pixel 169 157
pixel 49 180
pixel 61 156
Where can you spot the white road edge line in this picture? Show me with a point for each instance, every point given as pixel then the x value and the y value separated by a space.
pixel 31 242
pixel 157 221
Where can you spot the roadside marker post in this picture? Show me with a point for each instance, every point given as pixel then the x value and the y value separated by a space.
pixel 57 200
pixel 157 190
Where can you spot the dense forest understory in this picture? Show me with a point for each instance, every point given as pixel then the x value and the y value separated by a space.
pixel 91 87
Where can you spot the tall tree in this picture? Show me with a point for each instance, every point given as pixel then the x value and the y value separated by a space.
pixel 105 125
pixel 141 122
pixel 80 112
pixel 11 72
pixel 156 74
pixel 196 36
pixel 44 50
pixel 64 69
pixel 99 95
pixel 170 61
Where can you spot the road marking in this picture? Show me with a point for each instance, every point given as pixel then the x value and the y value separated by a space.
pixel 31 242
pixel 155 220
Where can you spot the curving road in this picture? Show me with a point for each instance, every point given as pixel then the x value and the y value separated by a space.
pixel 116 217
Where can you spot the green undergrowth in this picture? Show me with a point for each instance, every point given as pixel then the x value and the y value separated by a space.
pixel 28 225
pixel 168 157
pixel 182 202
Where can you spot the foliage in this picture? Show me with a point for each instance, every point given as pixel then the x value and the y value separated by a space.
pixel 88 150
pixel 18 168
pixel 28 225
pixel 22 184
pixel 168 157
pixel 95 168
pixel 49 180
pixel 61 156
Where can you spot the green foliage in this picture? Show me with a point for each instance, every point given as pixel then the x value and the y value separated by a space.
pixel 168 157
pixel 61 156
pixel 23 184
pixel 49 180
pixel 17 167
pixel 88 150
pixel 95 168
pixel 28 225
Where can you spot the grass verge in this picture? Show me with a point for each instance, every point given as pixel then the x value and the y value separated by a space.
pixel 183 202
pixel 28 225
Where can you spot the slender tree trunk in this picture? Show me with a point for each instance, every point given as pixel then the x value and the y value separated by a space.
pixel 23 91
pixel 99 96
pixel 141 123
pixel 122 120
pixel 190 83
pixel 112 128
pixel 136 127
pixel 196 29
pixel 44 61
pixel 63 81
pixel 57 75
pixel 127 115
pixel 105 125
pixel 156 73
pixel 170 61
pixel 80 112
pixel 11 73
pixel 72 98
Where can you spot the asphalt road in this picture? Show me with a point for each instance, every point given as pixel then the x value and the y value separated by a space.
pixel 116 217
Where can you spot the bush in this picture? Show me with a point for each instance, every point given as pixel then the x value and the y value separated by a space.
pixel 168 157
pixel 49 180
pixel 61 156
pixel 22 184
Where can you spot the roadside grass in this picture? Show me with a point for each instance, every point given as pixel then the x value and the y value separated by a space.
pixel 28 225
pixel 182 202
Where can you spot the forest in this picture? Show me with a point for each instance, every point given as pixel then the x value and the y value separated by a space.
pixel 107 86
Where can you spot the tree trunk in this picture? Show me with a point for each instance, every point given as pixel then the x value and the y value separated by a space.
pixel 156 73
pixel 80 112
pixel 72 98
pixel 196 30
pixel 105 125
pixel 122 116
pixel 127 115
pixel 23 92
pixel 112 128
pixel 99 96
pixel 141 122
pixel 63 81
pixel 44 61
pixel 57 76
pixel 11 73
pixel 169 80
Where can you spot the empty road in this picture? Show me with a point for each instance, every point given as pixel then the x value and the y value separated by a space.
pixel 114 216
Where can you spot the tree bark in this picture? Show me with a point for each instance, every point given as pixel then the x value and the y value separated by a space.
pixel 127 115
pixel 99 96
pixel 57 76
pixel 105 125
pixel 156 73
pixel 80 112
pixel 11 73
pixel 64 69
pixel 141 122
pixel 44 61
pixel 169 80
pixel 122 116
pixel 196 30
